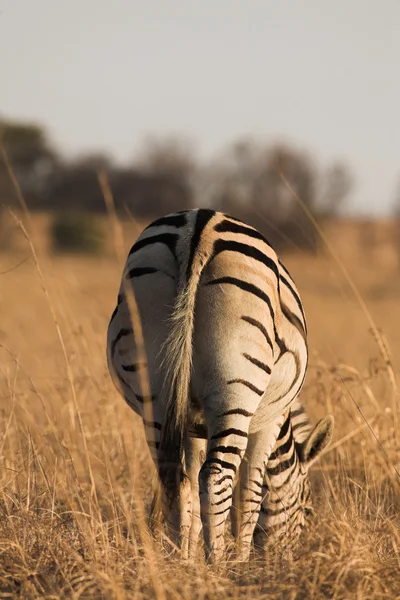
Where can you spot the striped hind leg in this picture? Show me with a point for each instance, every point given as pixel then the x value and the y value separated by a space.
pixel 227 443
pixel 250 491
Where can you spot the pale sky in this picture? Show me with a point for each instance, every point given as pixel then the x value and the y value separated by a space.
pixel 324 76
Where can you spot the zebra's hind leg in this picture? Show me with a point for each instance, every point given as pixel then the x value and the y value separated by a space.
pixel 227 444
pixel 250 493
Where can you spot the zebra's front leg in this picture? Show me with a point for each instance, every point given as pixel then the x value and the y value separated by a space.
pixel 177 510
pixel 176 507
pixel 185 516
pixel 226 449
pixel 195 455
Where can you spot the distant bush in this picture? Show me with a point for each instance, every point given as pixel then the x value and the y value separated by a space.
pixel 76 232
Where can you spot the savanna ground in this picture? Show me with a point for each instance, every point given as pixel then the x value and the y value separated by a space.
pixel 76 478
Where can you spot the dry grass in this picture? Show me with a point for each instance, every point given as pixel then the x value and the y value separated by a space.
pixel 76 478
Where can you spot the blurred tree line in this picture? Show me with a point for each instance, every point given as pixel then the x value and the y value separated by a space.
pixel 267 186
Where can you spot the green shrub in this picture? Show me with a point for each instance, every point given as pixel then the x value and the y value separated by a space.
pixel 76 232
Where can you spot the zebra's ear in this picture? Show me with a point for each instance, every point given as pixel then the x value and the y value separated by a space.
pixel 317 440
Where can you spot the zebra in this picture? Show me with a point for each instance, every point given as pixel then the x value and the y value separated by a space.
pixel 213 366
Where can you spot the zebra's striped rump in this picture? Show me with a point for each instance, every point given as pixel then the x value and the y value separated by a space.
pixel 222 343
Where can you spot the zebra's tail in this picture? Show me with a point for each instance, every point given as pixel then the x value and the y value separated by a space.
pixel 177 365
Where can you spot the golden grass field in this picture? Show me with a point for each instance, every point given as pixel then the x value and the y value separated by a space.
pixel 76 478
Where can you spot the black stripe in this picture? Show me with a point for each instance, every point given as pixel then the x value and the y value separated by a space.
pixel 239 227
pixel 276 488
pixel 284 449
pixel 202 218
pixel 227 450
pixel 121 333
pixel 243 223
pixel 171 220
pixel 260 485
pixel 294 320
pixel 152 424
pixel 121 298
pixel 253 501
pixel 295 296
pixel 132 368
pixel 221 501
pixel 235 219
pixel 224 479
pixel 238 411
pixel 139 271
pixel 230 431
pixel 257 362
pixel 218 461
pixel 249 385
pixel 246 250
pixel 247 287
pixel 280 343
pixel 256 492
pixel 220 512
pixel 225 489
pixel 169 239
pixel 259 326
pixel 283 466
pixel 284 429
